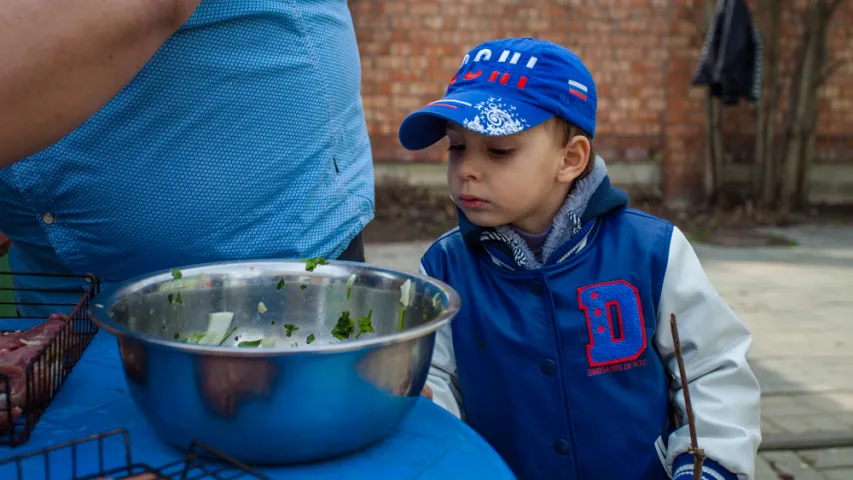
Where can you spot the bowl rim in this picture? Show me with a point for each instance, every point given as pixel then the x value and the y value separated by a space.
pixel 109 294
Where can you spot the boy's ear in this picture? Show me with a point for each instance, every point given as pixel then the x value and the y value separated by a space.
pixel 575 159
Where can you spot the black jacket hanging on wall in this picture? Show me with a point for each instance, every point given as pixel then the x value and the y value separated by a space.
pixel 731 56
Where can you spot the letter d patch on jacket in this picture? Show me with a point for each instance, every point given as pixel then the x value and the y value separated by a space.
pixel 617 331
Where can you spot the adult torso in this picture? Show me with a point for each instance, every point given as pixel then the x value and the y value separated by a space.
pixel 243 137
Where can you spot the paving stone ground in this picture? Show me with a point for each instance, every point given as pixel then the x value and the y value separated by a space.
pixel 798 302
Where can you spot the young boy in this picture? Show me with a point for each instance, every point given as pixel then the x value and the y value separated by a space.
pixel 562 356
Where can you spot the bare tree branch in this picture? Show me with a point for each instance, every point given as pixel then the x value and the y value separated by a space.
pixel 833 6
pixel 829 69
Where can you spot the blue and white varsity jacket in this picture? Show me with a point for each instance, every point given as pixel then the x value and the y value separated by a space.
pixel 567 368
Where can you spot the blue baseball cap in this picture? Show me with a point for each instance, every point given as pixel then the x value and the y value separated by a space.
pixel 505 87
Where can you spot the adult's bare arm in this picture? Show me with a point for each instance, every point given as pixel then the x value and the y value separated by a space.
pixel 62 60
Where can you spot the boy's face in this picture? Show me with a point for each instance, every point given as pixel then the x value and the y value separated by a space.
pixel 520 179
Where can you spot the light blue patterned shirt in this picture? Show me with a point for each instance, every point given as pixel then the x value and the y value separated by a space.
pixel 243 137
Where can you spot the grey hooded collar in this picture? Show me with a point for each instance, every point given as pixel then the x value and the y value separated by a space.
pixel 566 223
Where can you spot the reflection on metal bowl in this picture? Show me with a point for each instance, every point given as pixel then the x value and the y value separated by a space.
pixel 133 359
pixel 292 391
pixel 227 382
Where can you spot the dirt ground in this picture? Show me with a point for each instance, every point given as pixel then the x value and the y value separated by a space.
pixel 406 213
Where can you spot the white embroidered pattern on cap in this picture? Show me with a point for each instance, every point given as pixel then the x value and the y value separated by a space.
pixel 496 119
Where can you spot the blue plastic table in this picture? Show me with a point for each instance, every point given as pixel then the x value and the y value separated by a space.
pixel 430 444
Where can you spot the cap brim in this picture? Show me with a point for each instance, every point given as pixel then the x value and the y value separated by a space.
pixel 480 112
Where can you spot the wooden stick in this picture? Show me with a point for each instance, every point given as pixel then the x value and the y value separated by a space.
pixel 698 453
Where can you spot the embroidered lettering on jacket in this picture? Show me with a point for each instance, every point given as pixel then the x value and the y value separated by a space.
pixel 617 330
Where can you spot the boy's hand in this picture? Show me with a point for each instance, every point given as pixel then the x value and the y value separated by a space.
pixel 426 392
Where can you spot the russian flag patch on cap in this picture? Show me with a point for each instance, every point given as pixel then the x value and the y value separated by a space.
pixel 578 89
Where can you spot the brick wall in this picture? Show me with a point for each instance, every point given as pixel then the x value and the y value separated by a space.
pixel 642 53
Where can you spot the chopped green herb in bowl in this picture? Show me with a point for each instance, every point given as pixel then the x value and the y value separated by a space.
pixel 365 324
pixel 312 263
pixel 344 328
pixel 350 283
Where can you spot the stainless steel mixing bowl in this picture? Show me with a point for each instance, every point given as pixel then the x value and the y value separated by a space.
pixel 284 403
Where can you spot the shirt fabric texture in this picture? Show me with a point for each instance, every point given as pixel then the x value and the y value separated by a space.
pixel 243 137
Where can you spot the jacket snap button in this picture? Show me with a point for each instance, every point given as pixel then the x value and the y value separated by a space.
pixel 548 367
pixel 561 446
pixel 536 288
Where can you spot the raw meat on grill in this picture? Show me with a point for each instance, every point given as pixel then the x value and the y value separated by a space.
pixel 5 244
pixel 38 335
pixel 17 350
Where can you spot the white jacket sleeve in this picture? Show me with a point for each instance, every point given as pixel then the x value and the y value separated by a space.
pixel 724 391
pixel 442 373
